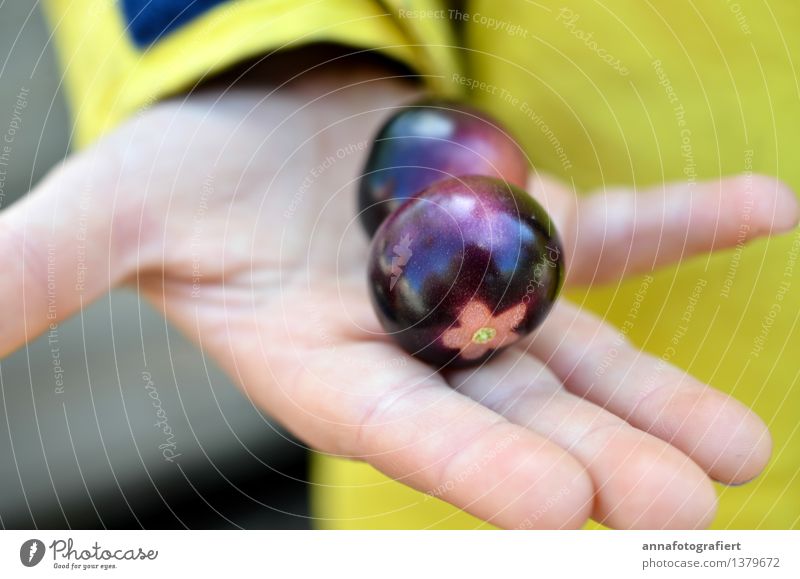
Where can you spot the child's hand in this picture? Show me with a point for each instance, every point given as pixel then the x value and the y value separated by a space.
pixel 234 213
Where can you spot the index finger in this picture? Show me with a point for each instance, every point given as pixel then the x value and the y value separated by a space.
pixel 616 232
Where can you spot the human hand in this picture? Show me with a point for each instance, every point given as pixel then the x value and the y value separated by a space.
pixel 210 208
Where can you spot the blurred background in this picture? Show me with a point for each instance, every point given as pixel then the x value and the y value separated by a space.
pixel 85 453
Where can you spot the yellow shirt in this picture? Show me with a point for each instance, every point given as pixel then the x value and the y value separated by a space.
pixel 598 93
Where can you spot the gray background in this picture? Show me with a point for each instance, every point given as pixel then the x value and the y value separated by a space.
pixel 89 457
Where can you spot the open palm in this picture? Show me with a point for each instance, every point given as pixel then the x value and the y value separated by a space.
pixel 234 212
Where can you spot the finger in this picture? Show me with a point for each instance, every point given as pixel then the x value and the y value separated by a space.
pixel 365 398
pixel 64 244
pixel 411 426
pixel 639 480
pixel 593 361
pixel 618 232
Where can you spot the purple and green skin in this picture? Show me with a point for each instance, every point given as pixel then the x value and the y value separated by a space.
pixel 464 269
pixel 428 141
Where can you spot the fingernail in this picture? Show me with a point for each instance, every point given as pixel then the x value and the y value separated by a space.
pixel 736 484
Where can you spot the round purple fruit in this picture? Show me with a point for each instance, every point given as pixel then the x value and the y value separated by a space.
pixel 429 141
pixel 463 269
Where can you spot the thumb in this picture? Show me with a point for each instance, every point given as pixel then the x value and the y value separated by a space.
pixel 63 245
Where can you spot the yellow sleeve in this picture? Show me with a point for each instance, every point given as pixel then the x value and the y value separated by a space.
pixel 108 76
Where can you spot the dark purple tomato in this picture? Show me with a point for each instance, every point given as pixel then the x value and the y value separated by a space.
pixel 463 269
pixel 428 141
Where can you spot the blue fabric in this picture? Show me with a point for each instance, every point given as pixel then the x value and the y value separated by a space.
pixel 149 20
